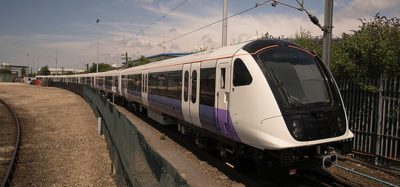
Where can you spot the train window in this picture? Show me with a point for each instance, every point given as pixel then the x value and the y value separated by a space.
pixel 194 86
pixel 174 84
pixel 241 75
pixel 162 83
pixel 146 86
pixel 297 75
pixel 130 83
pixel 137 82
pixel 186 86
pixel 116 81
pixel 207 86
pixel 124 81
pixel 222 83
pixel 153 78
pixel 108 82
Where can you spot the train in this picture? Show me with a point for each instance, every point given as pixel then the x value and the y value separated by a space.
pixel 269 101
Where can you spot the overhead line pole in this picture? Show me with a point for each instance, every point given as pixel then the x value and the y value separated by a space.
pixel 327 38
pixel 225 24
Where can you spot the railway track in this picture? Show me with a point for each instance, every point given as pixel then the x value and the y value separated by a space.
pixel 9 142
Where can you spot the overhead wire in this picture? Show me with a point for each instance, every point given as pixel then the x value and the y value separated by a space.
pixel 162 17
pixel 274 3
pixel 205 26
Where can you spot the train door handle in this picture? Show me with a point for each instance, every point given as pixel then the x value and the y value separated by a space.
pixel 226 97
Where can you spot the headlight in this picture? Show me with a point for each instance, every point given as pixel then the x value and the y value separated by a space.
pixel 298 131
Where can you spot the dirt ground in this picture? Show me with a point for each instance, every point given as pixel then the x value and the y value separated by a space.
pixel 59 142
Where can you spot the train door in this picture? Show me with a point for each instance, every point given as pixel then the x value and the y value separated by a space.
pixel 145 88
pixel 223 90
pixel 190 93
pixel 185 92
pixel 194 94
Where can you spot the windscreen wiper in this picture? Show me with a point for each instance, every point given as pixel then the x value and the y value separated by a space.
pixel 281 85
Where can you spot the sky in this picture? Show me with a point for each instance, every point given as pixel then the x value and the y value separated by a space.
pixel 37 32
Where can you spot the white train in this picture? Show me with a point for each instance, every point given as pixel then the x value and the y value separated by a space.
pixel 267 100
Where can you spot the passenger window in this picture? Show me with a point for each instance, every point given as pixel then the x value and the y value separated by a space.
pixel 207 86
pixel 186 86
pixel 161 84
pixel 194 86
pixel 146 86
pixel 174 80
pixel 222 83
pixel 241 75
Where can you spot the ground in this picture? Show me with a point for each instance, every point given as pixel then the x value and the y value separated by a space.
pixel 59 141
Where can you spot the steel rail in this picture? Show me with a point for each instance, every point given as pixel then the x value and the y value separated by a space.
pixel 11 166
pixel 365 175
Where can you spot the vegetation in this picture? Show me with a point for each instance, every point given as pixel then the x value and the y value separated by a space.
pixel 5 71
pixel 140 61
pixel 44 70
pixel 373 50
pixel 369 52
pixel 102 67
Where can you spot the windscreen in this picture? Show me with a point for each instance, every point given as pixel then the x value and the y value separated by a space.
pixel 297 76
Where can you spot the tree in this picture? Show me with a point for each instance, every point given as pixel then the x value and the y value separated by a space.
pixel 44 70
pixel 374 49
pixel 306 40
pixel 5 71
pixel 140 61
pixel 102 67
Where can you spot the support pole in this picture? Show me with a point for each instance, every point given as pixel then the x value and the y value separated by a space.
pixel 225 24
pixel 97 58
pixel 327 32
pixel 99 126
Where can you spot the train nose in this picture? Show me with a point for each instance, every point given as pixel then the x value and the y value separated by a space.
pixel 329 160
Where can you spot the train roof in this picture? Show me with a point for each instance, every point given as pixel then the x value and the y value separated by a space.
pixel 224 52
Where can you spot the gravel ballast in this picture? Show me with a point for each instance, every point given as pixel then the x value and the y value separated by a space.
pixel 59 141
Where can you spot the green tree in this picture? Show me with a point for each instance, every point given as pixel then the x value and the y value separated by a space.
pixel 5 71
pixel 306 40
pixel 373 50
pixel 140 61
pixel 102 67
pixel 44 70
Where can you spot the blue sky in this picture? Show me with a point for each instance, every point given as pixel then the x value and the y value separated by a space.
pixel 33 30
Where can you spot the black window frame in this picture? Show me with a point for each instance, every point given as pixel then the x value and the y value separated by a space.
pixel 241 71
pixel 186 87
pixel 193 94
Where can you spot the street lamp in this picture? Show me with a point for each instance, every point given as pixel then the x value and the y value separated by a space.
pixel 97 58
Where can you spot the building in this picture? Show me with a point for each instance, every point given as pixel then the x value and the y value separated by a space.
pixel 16 70
pixel 164 56
pixel 61 71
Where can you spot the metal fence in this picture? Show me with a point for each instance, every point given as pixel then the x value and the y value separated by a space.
pixel 135 163
pixel 374 116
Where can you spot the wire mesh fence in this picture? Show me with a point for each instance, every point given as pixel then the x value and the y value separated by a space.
pixel 135 163
pixel 373 110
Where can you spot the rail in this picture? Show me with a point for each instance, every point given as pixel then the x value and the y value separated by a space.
pixel 11 166
pixel 365 175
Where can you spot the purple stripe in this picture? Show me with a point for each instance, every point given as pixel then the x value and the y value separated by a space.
pixel 207 118
pixel 166 105
pixel 225 124
pixel 134 93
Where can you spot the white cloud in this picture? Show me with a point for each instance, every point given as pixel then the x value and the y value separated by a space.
pixel 118 37
pixel 367 8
